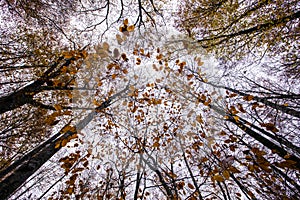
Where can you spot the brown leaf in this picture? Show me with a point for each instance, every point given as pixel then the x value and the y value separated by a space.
pixel 191 186
pixel 226 174
pixel 218 178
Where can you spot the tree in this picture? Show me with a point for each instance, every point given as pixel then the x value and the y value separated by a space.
pixel 236 30
pixel 136 118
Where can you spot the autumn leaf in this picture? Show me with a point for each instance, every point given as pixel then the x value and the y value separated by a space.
pixel 226 117
pixel 156 144
pixel 114 76
pixel 130 28
pixel 248 98
pixel 105 46
pixel 232 95
pixel 207 103
pixel 226 174
pixel 190 186
pixel 64 142
pixel 190 76
pixel 240 107
pixel 236 118
pixel 270 127
pixel 70 190
pixel 84 54
pixel 218 178
pixel 199 119
pixel 122 29
pixel 67 55
pixel 251 168
pixel 200 63
pixel 287 164
pixel 125 22
pixel 57 145
pixel 119 38
pixel 159 57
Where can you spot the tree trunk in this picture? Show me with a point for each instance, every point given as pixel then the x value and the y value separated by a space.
pixel 16 174
pixel 25 95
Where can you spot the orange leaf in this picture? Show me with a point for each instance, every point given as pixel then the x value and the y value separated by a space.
pixel 156 144
pixel 114 76
pixel 125 22
pixel 57 145
pixel 130 28
pixel 236 118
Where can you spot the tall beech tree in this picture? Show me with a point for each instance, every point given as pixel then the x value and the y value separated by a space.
pixel 236 30
pixel 133 117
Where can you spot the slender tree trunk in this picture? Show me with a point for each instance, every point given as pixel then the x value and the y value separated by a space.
pixel 16 174
pixel 282 108
pixel 25 95
pixel 266 142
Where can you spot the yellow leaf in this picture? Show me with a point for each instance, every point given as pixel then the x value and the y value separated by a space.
pixel 96 103
pixel 57 145
pixel 236 118
pixel 68 128
pixel 286 104
pixel 74 136
pixel 84 54
pixel 130 28
pixel 125 22
pixel 226 174
pixel 70 190
pixel 64 142
pixel 155 144
pixel 218 178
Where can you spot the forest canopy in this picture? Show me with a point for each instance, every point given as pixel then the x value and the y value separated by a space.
pixel 128 99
